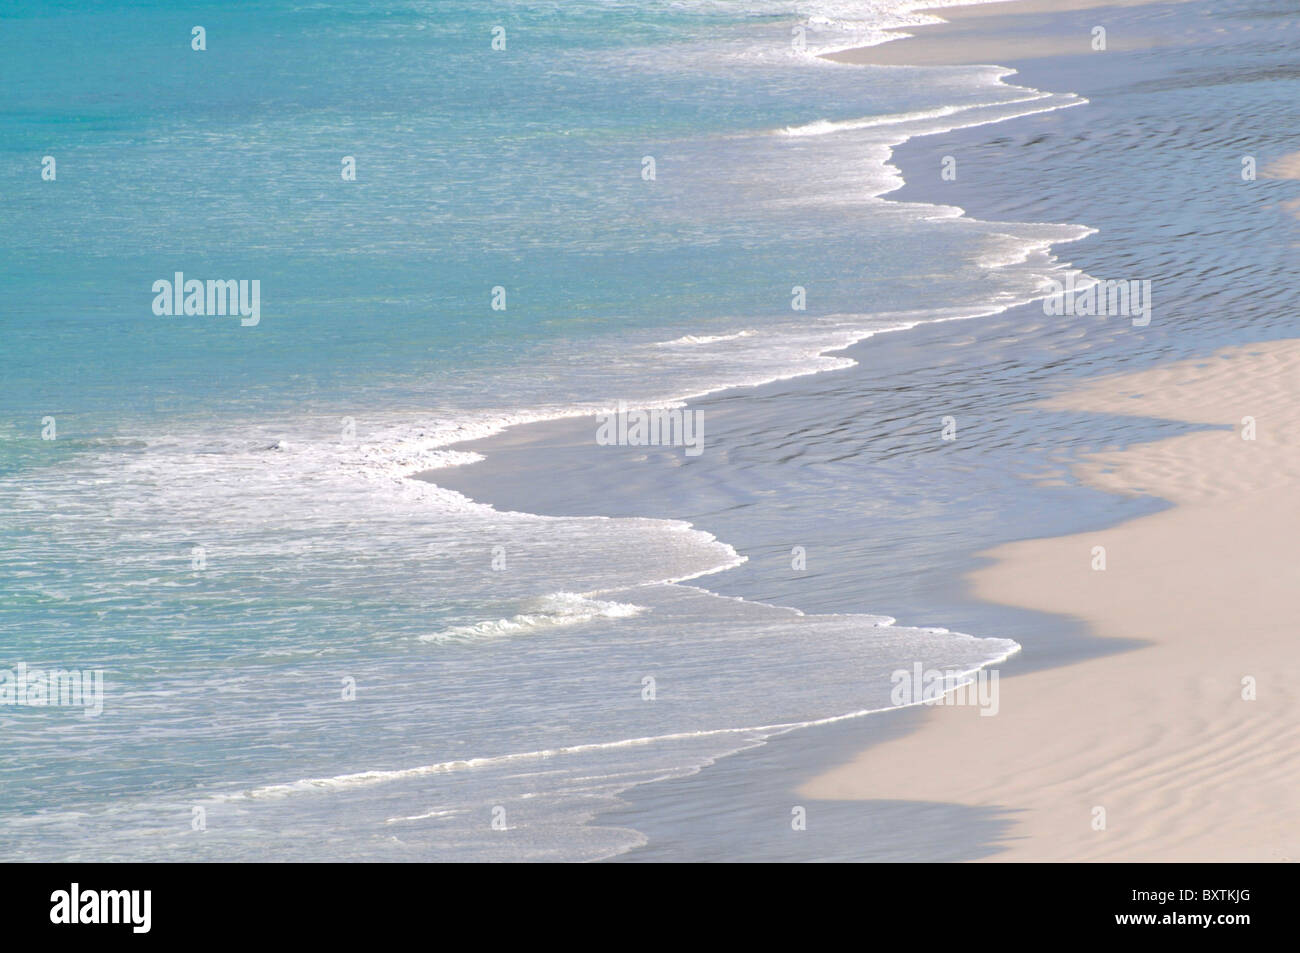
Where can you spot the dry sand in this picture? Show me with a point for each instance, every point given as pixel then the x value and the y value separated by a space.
pixel 1286 167
pixel 968 37
pixel 1161 736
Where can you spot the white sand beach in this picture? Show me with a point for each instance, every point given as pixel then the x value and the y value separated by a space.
pixel 1166 738
pixel 976 34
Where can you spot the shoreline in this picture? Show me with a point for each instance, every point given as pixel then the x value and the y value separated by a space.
pixel 1184 742
pixel 976 830
pixel 783 761
pixel 1177 749
pixel 993 34
pixel 549 649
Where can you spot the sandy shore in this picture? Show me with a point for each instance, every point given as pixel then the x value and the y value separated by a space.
pixel 1189 744
pixel 979 34
pixel 1286 167
pixel 1185 767
pixel 1159 736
